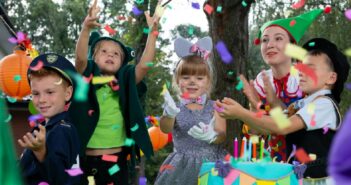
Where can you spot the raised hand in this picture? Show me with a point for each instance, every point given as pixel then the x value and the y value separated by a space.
pixel 153 21
pixel 230 109
pixel 204 132
pixel 90 21
pixel 36 142
pixel 170 108
pixel 271 96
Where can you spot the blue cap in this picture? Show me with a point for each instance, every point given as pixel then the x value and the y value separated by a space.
pixel 56 62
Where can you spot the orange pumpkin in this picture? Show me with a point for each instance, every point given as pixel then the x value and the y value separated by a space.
pixel 13 74
pixel 158 138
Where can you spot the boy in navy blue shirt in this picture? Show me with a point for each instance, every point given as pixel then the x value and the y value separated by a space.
pixel 52 147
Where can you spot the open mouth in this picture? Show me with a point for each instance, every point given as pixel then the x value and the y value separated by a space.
pixel 192 90
pixel 109 62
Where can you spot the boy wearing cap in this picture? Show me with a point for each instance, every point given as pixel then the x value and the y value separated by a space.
pixel 112 116
pixel 306 130
pixel 53 145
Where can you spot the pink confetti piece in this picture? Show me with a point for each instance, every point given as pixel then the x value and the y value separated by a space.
pixel 35 117
pixel 208 8
pixel 298 4
pixel 348 14
pixel 292 23
pixel 12 40
pixel 313 121
pixel 218 109
pixel 90 112
pixel 186 95
pixel 32 124
pixel 88 79
pixel 307 70
pixel 325 129
pixel 38 66
pixel 43 183
pixel 223 52
pixel 110 158
pixel 20 37
pixel 166 167
pixel 74 171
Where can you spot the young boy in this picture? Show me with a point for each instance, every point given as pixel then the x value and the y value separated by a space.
pixel 52 147
pixel 308 131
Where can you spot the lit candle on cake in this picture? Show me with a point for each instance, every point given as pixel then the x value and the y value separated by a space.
pixel 261 148
pixel 243 148
pixel 236 148
pixel 253 151
pixel 250 150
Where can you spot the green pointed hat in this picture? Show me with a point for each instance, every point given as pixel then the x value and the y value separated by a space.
pixel 295 26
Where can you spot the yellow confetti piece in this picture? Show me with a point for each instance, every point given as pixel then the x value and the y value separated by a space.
pixel 348 52
pixel 164 89
pixel 312 156
pixel 295 51
pixel 280 118
pixel 254 138
pixel 102 79
pixel 214 172
pixel 91 180
pixel 311 107
pixel 294 72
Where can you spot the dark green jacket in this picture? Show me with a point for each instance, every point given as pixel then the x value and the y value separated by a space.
pixel 129 94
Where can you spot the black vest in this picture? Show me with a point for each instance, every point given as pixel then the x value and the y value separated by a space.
pixel 315 142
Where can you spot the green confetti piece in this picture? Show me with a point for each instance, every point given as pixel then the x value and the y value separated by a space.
pixel 244 4
pixel 169 7
pixel 168 84
pixel 81 90
pixel 311 44
pixel 136 126
pixel 149 64
pixel 113 169
pixel 139 2
pixel 219 9
pixel 164 19
pixel 11 99
pixel 240 85
pixel 129 142
pixel 230 73
pixel 8 119
pixel 348 52
pixel 191 30
pixel 115 127
pixel 17 78
pixel 146 30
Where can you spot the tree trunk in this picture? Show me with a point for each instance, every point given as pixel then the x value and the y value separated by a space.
pixel 230 26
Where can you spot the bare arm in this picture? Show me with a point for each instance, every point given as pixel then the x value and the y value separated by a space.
pixel 233 110
pixel 221 128
pixel 83 40
pixel 142 68
pixel 166 124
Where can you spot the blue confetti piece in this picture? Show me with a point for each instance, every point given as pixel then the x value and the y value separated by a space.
pixel 195 5
pixel 136 11
pixel 223 52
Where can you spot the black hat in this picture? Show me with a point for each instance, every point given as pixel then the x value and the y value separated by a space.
pixel 339 60
pixel 94 38
pixel 56 62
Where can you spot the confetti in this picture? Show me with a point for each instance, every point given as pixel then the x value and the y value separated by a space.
pixel 32 124
pixel 146 30
pixel 17 78
pixel 164 89
pixel 186 95
pixel 12 40
pixel 208 8
pixel 294 72
pixel 224 53
pixel 129 142
pixel 142 180
pixel 74 171
pixel 244 4
pixel 110 30
pixel 109 158
pixel 35 117
pixel 302 156
pixel 11 99
pixel 116 126
pixel 230 73
pixel 348 86
pixel 166 167
pixel 219 9
pixel 292 23
pixel 313 120
pixel 136 11
pixel 298 4
pixel 139 1
pixel 38 66
pixel 325 129
pixel 90 112
pixel 240 85
pixel 348 52
pixel 311 44
pixel 81 90
pixel 218 109
pixel 295 51
pixel 327 9
pixel 102 79
pixel 135 127
pixel 91 180
pixel 195 5
pixel 113 169
pixel 311 107
pixel 348 14
pixel 279 118
pixel 307 71
pixel 43 183
pixel 191 30
pixel 8 119
pixel 58 82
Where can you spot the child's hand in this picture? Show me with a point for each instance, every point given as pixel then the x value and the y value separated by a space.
pixel 153 21
pixel 36 142
pixel 90 21
pixel 170 108
pixel 230 109
pixel 204 132
pixel 250 91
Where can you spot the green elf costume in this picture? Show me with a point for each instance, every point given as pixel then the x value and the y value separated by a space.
pixel 86 114
pixel 286 88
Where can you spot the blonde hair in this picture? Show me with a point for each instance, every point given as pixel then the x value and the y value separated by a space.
pixel 44 72
pixel 98 46
pixel 193 65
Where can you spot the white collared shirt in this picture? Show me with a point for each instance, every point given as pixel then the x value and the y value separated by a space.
pixel 324 112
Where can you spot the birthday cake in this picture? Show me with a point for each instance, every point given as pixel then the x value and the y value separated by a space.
pixel 249 173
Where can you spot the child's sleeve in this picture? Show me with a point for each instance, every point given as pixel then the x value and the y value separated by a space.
pixel 323 115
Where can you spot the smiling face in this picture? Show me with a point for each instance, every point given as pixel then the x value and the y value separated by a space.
pixel 273 42
pixel 323 68
pixel 50 92
pixel 193 76
pixel 108 56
